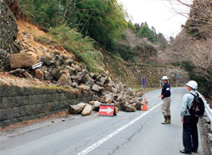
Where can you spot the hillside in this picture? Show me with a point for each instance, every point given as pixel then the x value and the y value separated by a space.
pixel 191 49
pixel 32 39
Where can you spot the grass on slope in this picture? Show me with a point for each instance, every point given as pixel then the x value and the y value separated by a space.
pixel 81 46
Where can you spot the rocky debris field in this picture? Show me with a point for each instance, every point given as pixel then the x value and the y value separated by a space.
pixel 65 71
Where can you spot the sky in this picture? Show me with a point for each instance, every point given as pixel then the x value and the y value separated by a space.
pixel 157 13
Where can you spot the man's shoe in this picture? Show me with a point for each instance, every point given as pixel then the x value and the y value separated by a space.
pixel 185 152
pixel 168 121
pixel 194 150
pixel 165 121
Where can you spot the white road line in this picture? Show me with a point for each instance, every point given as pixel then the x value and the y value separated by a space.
pixel 103 140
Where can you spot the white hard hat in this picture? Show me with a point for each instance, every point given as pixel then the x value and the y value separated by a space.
pixel 192 84
pixel 164 78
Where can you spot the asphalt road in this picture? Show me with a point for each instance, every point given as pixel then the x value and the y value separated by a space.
pixel 139 133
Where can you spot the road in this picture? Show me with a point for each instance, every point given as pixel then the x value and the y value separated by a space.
pixel 139 133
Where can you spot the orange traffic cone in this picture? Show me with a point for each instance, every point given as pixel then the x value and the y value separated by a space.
pixel 145 108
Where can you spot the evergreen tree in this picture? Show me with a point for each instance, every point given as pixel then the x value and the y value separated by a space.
pixel 145 32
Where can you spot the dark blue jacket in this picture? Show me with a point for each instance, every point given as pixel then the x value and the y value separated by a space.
pixel 166 91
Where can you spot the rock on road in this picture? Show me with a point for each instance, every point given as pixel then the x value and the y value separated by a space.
pixel 139 133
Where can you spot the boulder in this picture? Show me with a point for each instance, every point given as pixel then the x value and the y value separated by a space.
pixel 91 102
pixel 83 87
pixel 63 80
pixel 69 61
pixel 48 76
pixel 74 84
pixel 109 98
pixel 25 59
pixel 96 98
pixel 101 84
pixel 76 109
pixel 97 105
pixel 109 87
pixel 130 108
pixel 104 80
pixel 17 72
pixel 77 77
pixel 27 75
pixel 137 102
pixel 139 94
pixel 87 110
pixel 77 67
pixel 114 90
pixel 39 74
pixel 55 73
pixel 93 76
pixel 89 80
pixel 72 70
pixel 97 88
pixel 120 87
pixel 129 92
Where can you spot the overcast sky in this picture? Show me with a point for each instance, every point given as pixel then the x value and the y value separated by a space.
pixel 157 13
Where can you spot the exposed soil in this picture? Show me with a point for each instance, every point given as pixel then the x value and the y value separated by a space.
pixel 26 27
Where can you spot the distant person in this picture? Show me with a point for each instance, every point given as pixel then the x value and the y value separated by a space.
pixel 192 107
pixel 166 98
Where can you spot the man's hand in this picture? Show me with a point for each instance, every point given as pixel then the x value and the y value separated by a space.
pixel 161 96
pixel 182 120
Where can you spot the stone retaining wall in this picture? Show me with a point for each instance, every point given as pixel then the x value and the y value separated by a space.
pixel 21 104
pixel 153 75
pixel 8 32
pixel 131 74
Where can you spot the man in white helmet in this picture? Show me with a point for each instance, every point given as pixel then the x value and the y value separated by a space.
pixel 166 97
pixel 190 132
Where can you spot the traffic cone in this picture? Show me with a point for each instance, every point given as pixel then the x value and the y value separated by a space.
pixel 145 108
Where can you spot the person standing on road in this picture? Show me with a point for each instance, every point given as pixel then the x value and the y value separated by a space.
pixel 166 97
pixel 190 132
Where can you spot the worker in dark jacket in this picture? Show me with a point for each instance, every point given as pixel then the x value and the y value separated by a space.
pixel 190 130
pixel 166 98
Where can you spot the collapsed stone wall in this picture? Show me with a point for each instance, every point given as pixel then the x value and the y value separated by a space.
pixel 8 33
pixel 21 104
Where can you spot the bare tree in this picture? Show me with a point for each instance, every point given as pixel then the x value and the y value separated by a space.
pixel 200 16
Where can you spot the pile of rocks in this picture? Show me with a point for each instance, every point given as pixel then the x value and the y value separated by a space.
pixel 55 68
pixel 124 99
pixel 63 69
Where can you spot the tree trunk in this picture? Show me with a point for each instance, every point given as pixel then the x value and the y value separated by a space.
pixel 66 10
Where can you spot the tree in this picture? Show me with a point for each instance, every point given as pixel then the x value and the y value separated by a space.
pixel 131 26
pixel 161 40
pixel 43 13
pixel 199 23
pixel 145 32
pixel 137 27
pixel 154 33
pixel 102 20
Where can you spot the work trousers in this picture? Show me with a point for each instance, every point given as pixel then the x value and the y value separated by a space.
pixel 190 133
pixel 165 108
